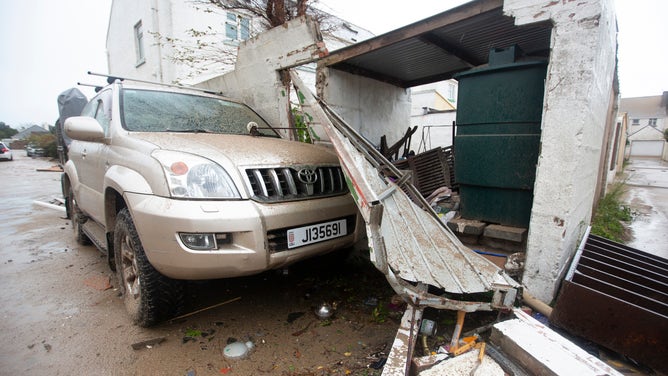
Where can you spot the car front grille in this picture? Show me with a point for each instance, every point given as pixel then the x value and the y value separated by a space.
pixel 288 183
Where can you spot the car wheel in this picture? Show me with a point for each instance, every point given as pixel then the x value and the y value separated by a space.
pixel 77 218
pixel 149 296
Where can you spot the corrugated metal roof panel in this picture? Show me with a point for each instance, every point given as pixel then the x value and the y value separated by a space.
pixel 438 47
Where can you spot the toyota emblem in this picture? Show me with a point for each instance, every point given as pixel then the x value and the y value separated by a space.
pixel 307 176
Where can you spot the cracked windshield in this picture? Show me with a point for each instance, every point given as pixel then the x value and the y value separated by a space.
pixel 157 111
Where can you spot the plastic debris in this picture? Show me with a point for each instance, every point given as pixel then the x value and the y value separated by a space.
pixel 428 327
pixel 238 350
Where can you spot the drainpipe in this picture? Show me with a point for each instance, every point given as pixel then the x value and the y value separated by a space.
pixel 156 24
pixel 536 304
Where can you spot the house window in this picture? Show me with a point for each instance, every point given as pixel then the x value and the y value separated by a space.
pixel 237 28
pixel 635 121
pixel 139 43
pixel 652 122
pixel 452 93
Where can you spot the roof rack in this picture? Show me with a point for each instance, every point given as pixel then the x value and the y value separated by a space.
pixel 111 79
pixel 97 87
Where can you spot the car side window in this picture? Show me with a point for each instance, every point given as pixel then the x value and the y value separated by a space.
pixel 103 113
pixel 90 108
pixel 100 108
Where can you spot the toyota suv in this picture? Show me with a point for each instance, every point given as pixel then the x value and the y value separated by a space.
pixel 178 184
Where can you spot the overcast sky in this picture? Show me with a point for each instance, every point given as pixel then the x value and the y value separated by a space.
pixel 48 46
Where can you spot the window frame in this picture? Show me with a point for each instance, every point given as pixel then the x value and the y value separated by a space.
pixel 240 25
pixel 138 32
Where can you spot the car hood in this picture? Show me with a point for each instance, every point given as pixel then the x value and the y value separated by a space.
pixel 243 150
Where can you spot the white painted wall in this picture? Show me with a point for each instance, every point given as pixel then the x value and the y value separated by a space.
pixel 163 19
pixel 576 105
pixel 647 133
pixel 121 55
pixel 440 95
pixel 255 79
pixel 616 162
pixel 371 107
pixel 434 130
pixel 433 110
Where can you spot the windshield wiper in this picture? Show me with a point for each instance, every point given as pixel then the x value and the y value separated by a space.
pixel 188 130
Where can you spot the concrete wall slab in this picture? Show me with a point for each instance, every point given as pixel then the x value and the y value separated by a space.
pixel 576 106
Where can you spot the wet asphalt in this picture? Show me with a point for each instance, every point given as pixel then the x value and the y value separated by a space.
pixel 646 183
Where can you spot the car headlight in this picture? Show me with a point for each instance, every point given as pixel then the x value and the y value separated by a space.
pixel 192 176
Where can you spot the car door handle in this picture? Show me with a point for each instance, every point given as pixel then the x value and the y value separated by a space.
pixel 83 154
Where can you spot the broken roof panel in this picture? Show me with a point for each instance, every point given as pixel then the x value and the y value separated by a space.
pixel 436 48
pixel 421 258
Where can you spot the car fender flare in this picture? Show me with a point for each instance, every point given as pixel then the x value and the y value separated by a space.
pixel 70 171
pixel 117 181
pixel 122 179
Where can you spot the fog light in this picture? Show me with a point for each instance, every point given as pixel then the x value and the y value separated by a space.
pixel 199 242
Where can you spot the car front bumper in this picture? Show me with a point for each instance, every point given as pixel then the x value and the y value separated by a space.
pixel 245 223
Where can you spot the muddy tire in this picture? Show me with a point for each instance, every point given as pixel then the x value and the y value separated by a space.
pixel 76 217
pixel 149 296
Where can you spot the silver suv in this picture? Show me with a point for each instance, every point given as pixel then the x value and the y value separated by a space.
pixel 176 184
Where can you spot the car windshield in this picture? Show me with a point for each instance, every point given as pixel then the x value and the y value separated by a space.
pixel 159 111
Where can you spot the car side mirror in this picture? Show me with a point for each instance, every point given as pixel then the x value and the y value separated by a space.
pixel 83 128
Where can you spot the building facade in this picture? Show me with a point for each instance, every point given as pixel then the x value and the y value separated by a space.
pixel 647 117
pixel 433 111
pixel 179 41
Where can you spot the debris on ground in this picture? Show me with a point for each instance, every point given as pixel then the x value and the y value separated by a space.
pixel 149 343
pixel 465 365
pixel 54 203
pixel 194 335
pixel 99 282
pixel 238 350
pixel 543 351
pixel 206 309
pixel 54 168
pixel 324 311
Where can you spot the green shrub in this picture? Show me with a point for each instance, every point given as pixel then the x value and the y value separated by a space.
pixel 611 215
pixel 46 141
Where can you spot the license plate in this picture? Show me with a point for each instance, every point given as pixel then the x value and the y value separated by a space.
pixel 320 232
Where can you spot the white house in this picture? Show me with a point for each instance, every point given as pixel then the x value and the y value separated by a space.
pixel 433 110
pixel 648 118
pixel 171 41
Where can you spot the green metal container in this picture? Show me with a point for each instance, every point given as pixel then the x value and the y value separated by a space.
pixel 498 138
